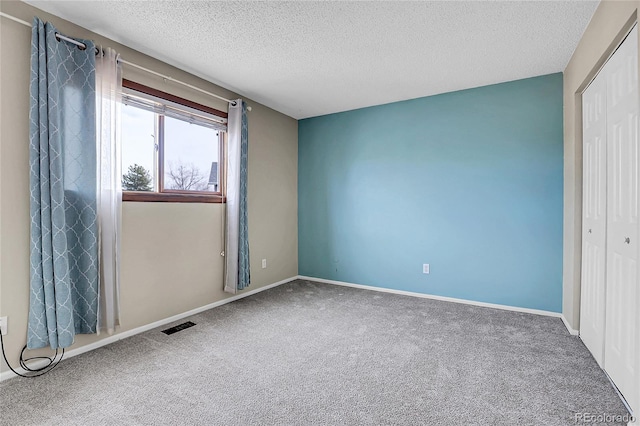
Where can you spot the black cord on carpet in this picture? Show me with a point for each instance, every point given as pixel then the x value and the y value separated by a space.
pixel 23 362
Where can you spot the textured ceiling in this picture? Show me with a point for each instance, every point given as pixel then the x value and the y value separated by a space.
pixel 313 58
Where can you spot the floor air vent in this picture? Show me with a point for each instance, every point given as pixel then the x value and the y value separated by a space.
pixel 178 327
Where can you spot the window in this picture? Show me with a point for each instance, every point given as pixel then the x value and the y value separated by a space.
pixel 172 148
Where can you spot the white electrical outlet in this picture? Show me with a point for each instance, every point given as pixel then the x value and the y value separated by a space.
pixel 264 263
pixel 3 325
pixel 425 268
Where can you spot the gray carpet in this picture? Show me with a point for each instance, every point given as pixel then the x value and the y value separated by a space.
pixel 315 354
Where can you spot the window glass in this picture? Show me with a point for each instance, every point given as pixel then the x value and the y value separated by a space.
pixel 190 156
pixel 138 149
pixel 172 148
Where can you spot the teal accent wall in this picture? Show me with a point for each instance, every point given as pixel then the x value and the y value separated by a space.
pixel 469 182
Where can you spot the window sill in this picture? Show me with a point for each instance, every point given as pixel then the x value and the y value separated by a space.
pixel 164 197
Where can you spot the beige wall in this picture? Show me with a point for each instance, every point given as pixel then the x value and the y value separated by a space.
pixel 171 252
pixel 609 25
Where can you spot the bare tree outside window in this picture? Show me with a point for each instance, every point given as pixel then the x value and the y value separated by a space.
pixel 185 177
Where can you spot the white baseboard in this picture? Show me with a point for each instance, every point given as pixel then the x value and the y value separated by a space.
pixel 123 335
pixel 570 329
pixel 431 296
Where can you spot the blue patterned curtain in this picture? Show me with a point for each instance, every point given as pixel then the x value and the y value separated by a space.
pixel 244 271
pixel 64 230
pixel 237 269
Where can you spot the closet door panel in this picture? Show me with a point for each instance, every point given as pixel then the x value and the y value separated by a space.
pixel 621 356
pixel 594 206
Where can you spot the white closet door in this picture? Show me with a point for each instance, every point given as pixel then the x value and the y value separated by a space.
pixel 594 217
pixel 621 357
